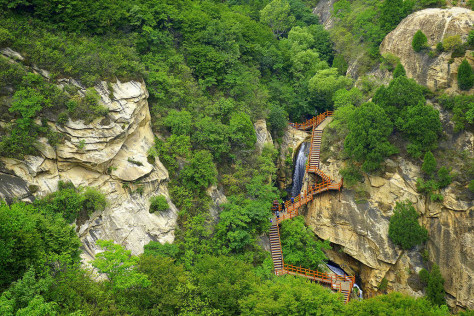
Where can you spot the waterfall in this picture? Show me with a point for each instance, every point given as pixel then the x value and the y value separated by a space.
pixel 300 169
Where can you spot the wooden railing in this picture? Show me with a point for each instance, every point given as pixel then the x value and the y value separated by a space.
pixel 312 122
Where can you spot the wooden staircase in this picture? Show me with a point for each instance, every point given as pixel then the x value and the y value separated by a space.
pixel 342 284
pixel 275 248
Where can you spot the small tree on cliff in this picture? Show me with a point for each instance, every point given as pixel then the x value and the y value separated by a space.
pixel 404 229
pixel 435 288
pixel 419 41
pixel 465 76
pixel 399 71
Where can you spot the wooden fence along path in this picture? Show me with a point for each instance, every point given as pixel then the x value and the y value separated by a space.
pixel 342 284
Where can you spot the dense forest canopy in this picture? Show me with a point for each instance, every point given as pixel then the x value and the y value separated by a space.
pixel 212 68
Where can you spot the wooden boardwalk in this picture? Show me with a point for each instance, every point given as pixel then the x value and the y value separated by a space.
pixel 342 284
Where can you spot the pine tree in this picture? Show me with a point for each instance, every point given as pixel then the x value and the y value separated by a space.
pixel 399 71
pixel 429 164
pixel 419 41
pixel 435 288
pixel 465 76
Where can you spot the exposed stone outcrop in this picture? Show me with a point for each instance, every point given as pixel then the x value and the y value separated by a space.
pixel 324 10
pixel 109 154
pixel 434 72
pixel 263 135
pixel 356 221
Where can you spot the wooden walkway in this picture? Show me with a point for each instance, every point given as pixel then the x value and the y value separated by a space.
pixel 342 284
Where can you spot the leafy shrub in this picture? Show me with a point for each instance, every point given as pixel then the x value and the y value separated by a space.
pixel 200 172
pixel 419 41
pixel 471 186
pixel 94 200
pixel 179 122
pixel 462 107
pixel 155 248
pixel 429 164
pixel 367 141
pixel 5 37
pixel 158 204
pixel 351 174
pixel 435 289
pixel 465 76
pixel 439 47
pixel 444 177
pixel 87 108
pixel 424 276
pixel 399 71
pixel 404 229
pixel 452 42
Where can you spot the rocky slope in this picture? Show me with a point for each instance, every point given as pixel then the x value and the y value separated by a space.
pixel 434 72
pixel 109 154
pixel 356 222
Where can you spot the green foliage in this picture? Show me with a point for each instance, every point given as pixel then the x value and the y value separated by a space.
pixel 383 285
pixel 404 229
pixel 462 107
pixel 157 249
pixel 158 204
pixel 429 164
pixel 72 203
pixel 444 177
pixel 223 281
pixel 277 120
pixel 400 94
pixel 119 266
pixel 471 186
pixel 351 174
pixel 465 76
pixel 395 304
pixel 299 245
pixel 291 296
pixel 340 63
pixel 452 42
pixel 367 140
pixel 392 12
pixel 167 151
pixel 419 41
pixel 277 15
pixel 424 276
pixel 179 122
pixel 200 172
pixel 326 82
pixel 32 237
pixel 242 133
pixel 399 71
pixel 435 289
pixel 345 102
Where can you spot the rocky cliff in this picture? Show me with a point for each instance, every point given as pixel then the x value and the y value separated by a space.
pixel 356 222
pixel 109 154
pixel 437 72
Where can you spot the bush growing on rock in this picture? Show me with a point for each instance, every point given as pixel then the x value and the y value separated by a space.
pixel 435 289
pixel 419 41
pixel 399 71
pixel 158 204
pixel 465 76
pixel 404 229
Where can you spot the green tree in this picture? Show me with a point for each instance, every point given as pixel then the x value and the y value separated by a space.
pixel 291 296
pixel 395 304
pixel 392 12
pixel 326 82
pixel 399 71
pixel 179 122
pixel 421 125
pixel 223 281
pixel 435 289
pixel 404 229
pixel 419 41
pixel 465 76
pixel 429 164
pixel 277 15
pixel 242 133
pixel 200 172
pixel 299 245
pixel 158 204
pixel 277 120
pixel 120 266
pixel 367 141
pixel 400 94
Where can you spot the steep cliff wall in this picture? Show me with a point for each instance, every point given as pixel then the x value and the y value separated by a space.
pixel 356 222
pixel 109 154
pixel 438 72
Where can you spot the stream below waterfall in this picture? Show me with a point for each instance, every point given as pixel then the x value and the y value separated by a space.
pixel 338 270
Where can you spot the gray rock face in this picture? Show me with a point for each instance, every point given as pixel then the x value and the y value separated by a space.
pixel 263 135
pixel 324 10
pixel 434 72
pixel 110 155
pixel 357 220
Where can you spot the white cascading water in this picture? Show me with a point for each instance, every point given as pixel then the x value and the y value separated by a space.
pixel 339 271
pixel 300 169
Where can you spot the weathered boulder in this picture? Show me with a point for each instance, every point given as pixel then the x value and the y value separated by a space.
pixel 263 135
pixel 434 72
pixel 108 154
